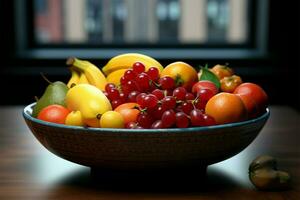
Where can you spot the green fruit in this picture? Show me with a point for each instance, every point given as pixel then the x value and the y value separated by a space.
pixel 54 94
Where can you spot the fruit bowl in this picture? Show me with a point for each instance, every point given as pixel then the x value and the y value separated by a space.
pixel 133 149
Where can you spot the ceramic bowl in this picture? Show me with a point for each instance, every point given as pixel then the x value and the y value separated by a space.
pixel 145 148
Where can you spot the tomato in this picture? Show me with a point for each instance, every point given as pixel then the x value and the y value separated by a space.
pixel 183 74
pixel 254 98
pixel 222 71
pixel 229 83
pixel 112 119
pixel 250 104
pixel 54 113
pixel 129 111
pixel 204 85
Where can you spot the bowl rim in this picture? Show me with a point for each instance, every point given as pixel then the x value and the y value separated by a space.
pixel 28 109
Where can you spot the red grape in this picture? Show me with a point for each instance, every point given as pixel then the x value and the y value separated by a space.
pixel 115 103
pixel 158 112
pixel 145 120
pixel 140 98
pixel 208 120
pixel 138 67
pixel 153 73
pixel 150 101
pixel 113 94
pixel 168 118
pixel 178 108
pixel 197 118
pixel 129 74
pixel 131 125
pixel 169 102
pixel 151 111
pixel 179 93
pixel 109 86
pixel 152 86
pixel 138 127
pixel 143 81
pixel 157 124
pixel 168 92
pixel 199 104
pixel 182 120
pixel 189 96
pixel 129 86
pixel 132 96
pixel 166 82
pixel 187 107
pixel 205 94
pixel 158 93
pixel 123 80
pixel 123 97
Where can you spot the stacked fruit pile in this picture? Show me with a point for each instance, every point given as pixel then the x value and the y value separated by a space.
pixel 135 91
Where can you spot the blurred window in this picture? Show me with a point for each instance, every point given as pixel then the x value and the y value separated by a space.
pixel 140 22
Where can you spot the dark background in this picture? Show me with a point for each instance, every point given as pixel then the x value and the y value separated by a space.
pixel 278 72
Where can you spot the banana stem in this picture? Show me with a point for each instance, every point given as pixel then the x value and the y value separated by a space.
pixel 77 63
pixel 70 61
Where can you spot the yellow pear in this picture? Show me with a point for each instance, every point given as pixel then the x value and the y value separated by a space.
pixel 87 99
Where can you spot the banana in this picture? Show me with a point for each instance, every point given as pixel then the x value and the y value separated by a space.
pixel 82 79
pixel 115 76
pixel 93 74
pixel 74 78
pixel 125 61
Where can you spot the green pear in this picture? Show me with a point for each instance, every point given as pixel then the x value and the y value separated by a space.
pixel 54 94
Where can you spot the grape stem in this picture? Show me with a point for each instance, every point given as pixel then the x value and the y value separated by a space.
pixel 156 84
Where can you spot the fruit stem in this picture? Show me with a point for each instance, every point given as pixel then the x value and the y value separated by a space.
pixel 45 78
pixel 153 82
pixel 36 98
pixel 70 61
pixel 98 116
pixel 178 80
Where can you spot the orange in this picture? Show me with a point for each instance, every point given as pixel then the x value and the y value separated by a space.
pixel 94 122
pixel 129 111
pixel 226 108
pixel 183 74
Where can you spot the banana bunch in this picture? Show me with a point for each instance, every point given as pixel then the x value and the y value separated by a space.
pixel 116 66
pixel 85 72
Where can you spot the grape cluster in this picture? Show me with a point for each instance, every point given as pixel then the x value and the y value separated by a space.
pixel 162 103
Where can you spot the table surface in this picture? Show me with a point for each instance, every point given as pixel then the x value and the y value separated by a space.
pixel 29 171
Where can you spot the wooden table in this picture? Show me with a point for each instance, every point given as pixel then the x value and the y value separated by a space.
pixel 29 171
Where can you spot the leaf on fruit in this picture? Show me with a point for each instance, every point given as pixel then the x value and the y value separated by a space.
pixel 209 76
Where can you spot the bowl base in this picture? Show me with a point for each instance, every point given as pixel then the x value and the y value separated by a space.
pixel 162 176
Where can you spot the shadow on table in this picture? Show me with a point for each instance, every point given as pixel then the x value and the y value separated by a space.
pixel 171 181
